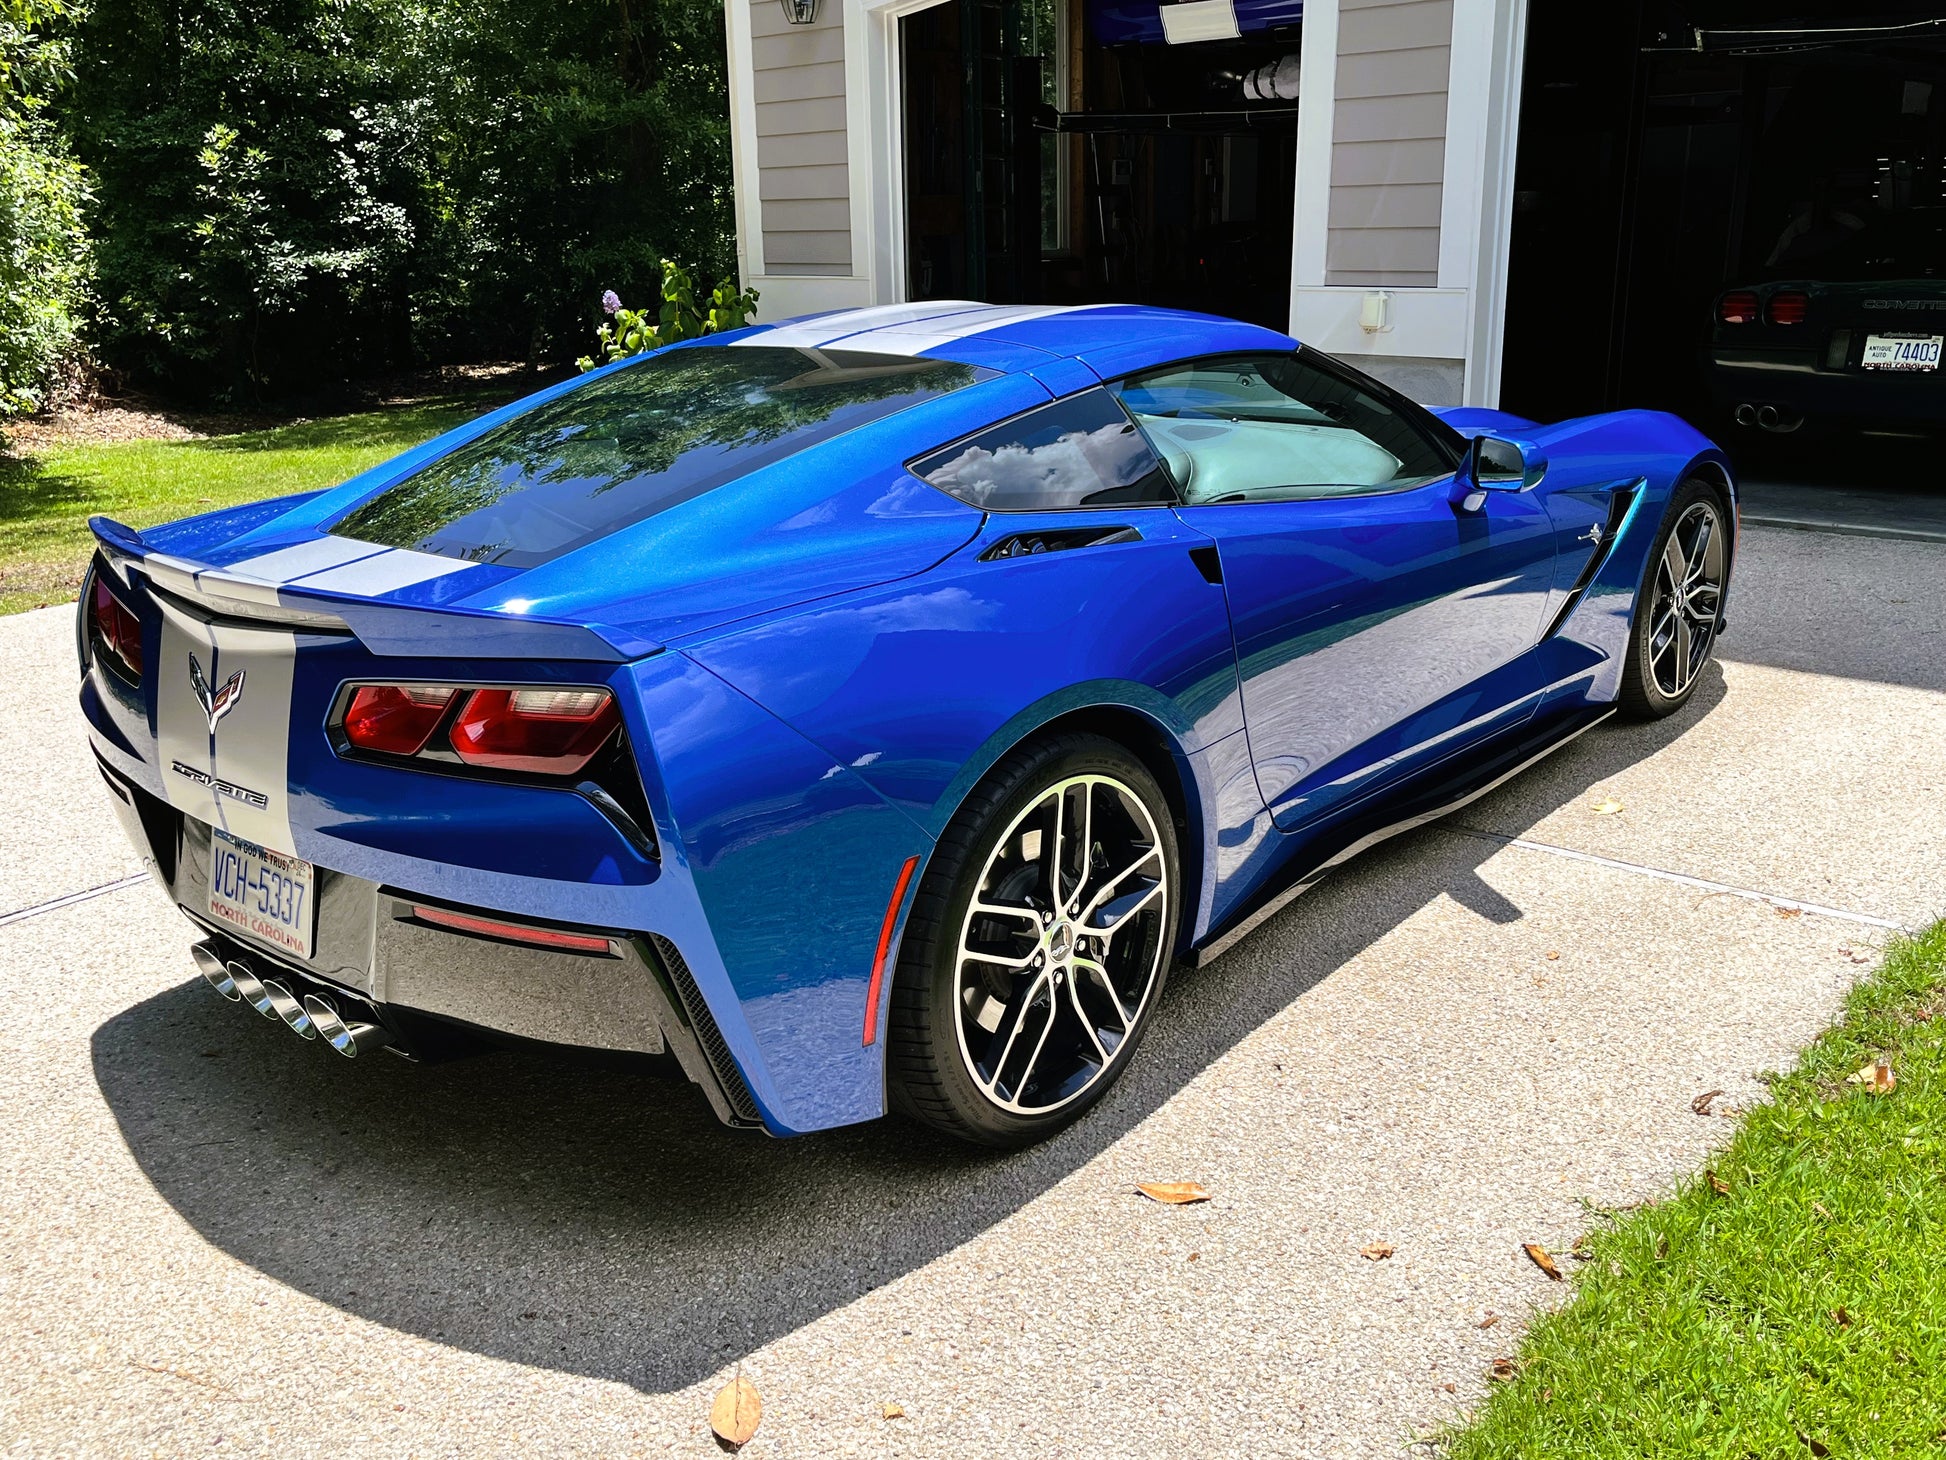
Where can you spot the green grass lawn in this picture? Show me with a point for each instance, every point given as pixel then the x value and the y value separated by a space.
pixel 47 498
pixel 1802 1312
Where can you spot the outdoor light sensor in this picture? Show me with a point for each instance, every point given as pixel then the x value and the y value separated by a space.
pixel 800 12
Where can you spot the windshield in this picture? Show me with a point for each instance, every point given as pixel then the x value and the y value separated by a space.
pixel 637 442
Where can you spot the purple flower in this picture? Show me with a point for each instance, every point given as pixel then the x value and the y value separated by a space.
pixel 610 301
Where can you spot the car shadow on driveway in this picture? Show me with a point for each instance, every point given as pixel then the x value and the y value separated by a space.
pixel 598 1221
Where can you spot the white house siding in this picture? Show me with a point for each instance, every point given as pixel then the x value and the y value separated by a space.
pixel 1388 143
pixel 797 93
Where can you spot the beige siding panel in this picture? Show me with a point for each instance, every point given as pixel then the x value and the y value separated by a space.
pixel 801 149
pixel 1394 73
pixel 797 88
pixel 1393 250
pixel 1390 118
pixel 831 250
pixel 1388 143
pixel 789 118
pixel 1414 206
pixel 826 181
pixel 806 215
pixel 802 83
pixel 1395 27
pixel 1369 164
pixel 799 46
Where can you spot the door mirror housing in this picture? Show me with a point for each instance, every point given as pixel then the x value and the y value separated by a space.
pixel 1503 464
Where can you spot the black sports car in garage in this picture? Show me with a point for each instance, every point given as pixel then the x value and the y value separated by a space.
pixel 1859 345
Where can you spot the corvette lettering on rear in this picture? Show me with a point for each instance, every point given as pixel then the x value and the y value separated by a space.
pixel 248 797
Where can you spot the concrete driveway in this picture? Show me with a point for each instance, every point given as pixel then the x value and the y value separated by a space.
pixel 217 1238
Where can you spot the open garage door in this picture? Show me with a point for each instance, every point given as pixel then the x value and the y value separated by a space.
pixel 1735 215
pixel 1076 151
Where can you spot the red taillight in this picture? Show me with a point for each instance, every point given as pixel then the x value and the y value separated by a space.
pixel 1789 307
pixel 549 731
pixel 396 719
pixel 481 927
pixel 1739 306
pixel 115 629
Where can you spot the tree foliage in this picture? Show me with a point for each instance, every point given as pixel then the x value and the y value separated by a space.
pixel 43 246
pixel 291 192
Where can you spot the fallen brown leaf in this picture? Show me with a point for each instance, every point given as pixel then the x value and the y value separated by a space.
pixel 1582 1250
pixel 1606 808
pixel 1504 1370
pixel 1194 1255
pixel 1701 1104
pixel 736 1411
pixel 1450 1388
pixel 1172 1193
pixel 1815 1446
pixel 1541 1259
pixel 1377 1251
pixel 1717 1183
pixel 1489 1320
pixel 1661 1246
pixel 1841 1317
pixel 1789 912
pixel 892 1411
pixel 1553 955
pixel 1877 1078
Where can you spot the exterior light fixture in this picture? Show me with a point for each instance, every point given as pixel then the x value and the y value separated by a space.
pixel 800 12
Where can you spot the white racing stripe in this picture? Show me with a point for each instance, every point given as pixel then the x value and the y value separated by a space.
pixel 237 774
pixel 904 329
pixel 383 572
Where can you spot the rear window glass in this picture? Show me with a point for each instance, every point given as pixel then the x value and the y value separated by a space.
pixel 638 442
pixel 1080 452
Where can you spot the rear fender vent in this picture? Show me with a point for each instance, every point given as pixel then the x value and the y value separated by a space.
pixel 715 1049
pixel 1058 540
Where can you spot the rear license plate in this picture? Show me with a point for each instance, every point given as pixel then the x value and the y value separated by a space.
pixel 265 893
pixel 1902 352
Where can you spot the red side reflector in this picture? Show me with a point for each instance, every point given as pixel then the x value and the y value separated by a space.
pixel 397 719
pixel 884 947
pixel 1739 306
pixel 549 731
pixel 1789 307
pixel 513 932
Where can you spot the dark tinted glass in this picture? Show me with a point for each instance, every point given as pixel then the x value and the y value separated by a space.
pixel 638 442
pixel 1079 452
pixel 1278 427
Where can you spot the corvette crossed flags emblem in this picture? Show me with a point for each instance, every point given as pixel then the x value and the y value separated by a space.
pixel 217 705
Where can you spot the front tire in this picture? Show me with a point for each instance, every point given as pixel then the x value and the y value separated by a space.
pixel 1037 946
pixel 1680 609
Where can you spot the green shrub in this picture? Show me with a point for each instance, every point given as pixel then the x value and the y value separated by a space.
pixel 681 317
pixel 44 255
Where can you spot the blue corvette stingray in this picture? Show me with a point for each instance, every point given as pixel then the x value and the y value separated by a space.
pixel 869 709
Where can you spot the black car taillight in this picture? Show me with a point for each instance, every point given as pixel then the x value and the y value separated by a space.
pixel 114 631
pixel 1788 306
pixel 1739 306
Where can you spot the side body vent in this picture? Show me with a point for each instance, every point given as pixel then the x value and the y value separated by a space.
pixel 729 1079
pixel 1620 503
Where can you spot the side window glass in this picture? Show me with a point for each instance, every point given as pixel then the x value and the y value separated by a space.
pixel 1277 428
pixel 1079 452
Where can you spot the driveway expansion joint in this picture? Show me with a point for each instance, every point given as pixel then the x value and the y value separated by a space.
pixel 21 914
pixel 1682 878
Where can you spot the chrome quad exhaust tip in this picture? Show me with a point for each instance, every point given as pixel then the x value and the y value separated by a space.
pixel 350 1038
pixel 308 1017
pixel 210 964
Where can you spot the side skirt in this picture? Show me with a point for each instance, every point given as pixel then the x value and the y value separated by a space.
pixel 1339 845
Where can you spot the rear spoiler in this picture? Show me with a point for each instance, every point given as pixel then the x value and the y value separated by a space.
pixel 387 629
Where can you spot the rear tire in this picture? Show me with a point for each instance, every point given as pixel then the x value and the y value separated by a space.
pixel 1679 611
pixel 1010 1018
